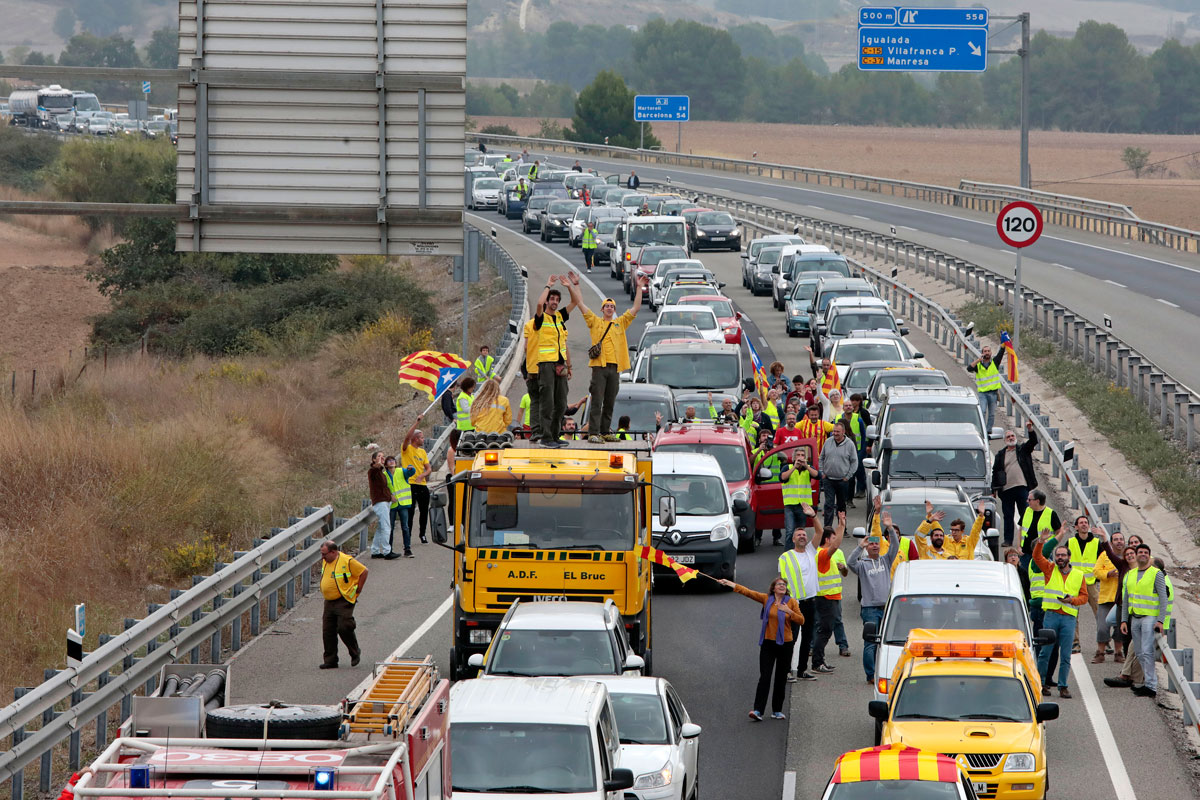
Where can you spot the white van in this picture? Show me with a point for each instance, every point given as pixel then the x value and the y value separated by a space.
pixel 946 595
pixel 514 738
pixel 705 533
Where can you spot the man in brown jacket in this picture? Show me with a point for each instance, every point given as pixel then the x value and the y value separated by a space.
pixel 381 506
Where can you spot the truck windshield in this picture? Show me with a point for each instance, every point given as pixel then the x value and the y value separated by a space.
pixel 642 233
pixel 936 412
pixel 86 102
pixel 698 370
pixel 953 612
pixel 522 758
pixel 695 495
pixel 962 697
pixel 550 519
pixel 941 463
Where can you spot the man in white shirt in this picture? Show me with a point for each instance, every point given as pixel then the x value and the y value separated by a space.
pixel 799 567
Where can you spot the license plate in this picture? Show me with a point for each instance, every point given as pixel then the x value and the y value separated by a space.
pixel 980 788
pixel 683 558
pixel 718 238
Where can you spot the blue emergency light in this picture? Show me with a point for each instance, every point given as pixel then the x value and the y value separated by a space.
pixel 139 776
pixel 324 779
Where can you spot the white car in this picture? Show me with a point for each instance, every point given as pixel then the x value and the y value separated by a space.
pixel 485 193
pixel 702 318
pixel 667 269
pixel 750 254
pixel 781 275
pixel 851 349
pixel 705 532
pixel 659 741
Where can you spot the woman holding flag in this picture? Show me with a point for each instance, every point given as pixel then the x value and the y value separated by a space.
pixel 779 613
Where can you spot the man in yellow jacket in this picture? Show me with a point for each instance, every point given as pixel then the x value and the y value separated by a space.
pixel 552 360
pixel 933 543
pixel 342 581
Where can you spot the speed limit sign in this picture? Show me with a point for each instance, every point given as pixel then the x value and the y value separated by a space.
pixel 1019 224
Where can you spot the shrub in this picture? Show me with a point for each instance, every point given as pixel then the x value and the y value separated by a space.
pixel 498 130
pixel 1136 159
pixel 22 158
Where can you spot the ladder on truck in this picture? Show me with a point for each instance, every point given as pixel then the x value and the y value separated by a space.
pixel 399 688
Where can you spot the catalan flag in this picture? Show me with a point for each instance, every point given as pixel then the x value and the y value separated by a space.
pixel 662 559
pixel 761 380
pixel 431 372
pixel 895 763
pixel 1014 372
pixel 832 379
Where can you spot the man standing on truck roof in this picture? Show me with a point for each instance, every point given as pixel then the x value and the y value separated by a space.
pixel 552 359
pixel 342 581
pixel 608 356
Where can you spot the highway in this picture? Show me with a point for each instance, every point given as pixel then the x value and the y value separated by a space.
pixel 1152 293
pixel 1107 744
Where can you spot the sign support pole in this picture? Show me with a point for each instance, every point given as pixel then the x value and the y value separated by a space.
pixel 679 137
pixel 642 135
pixel 1023 171
pixel 1017 304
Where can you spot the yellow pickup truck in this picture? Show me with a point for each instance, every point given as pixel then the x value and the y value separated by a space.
pixel 530 523
pixel 974 695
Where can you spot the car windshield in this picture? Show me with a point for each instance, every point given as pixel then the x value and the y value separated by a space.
pixel 633 200
pixel 490 184
pixel 861 321
pixel 714 218
pixel 607 225
pixel 561 207
pixel 804 292
pixel 895 790
pixel 963 464
pixel 553 652
pixel 581 212
pixel 769 256
pixel 935 412
pixel 961 698
pixel 955 612
pixel 507 516
pixel 653 255
pixel 847 352
pixel 641 413
pixel 695 495
pixel 683 290
pixel 86 102
pixel 828 296
pixel 539 202
pixel 908 516
pixel 654 335
pixel 522 758
pixel 643 233
pixel 836 264
pixel 908 379
pixel 640 718
pixel 703 321
pixel 722 308
pixel 731 458
pixel 695 370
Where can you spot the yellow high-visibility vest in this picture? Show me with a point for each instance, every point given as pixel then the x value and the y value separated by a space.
pixel 1058 590
pixel 1084 559
pixel 987 379
pixel 829 582
pixel 1143 600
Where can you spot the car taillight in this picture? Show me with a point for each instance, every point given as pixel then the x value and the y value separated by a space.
pixel 881 684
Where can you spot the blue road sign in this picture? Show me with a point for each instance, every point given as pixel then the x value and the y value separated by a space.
pixel 942 17
pixel 661 108
pixel 145 87
pixel 898 49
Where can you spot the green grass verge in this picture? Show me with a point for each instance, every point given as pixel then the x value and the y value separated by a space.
pixel 1110 409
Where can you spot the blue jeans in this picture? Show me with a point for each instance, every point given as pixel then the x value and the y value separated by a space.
pixel 1037 620
pixel 381 544
pixel 1141 628
pixel 870 614
pixel 403 515
pixel 987 403
pixel 793 517
pixel 1064 625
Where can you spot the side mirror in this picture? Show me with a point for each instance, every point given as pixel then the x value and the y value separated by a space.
pixel 627 377
pixel 1047 637
pixel 475 660
pixel 666 511
pixel 918 354
pixel 996 433
pixel 620 780
pixel 992 534
pixel 739 314
pixel 876 479
pixel 775 270
pixel 872 431
pixel 859 533
pixel 878 710
pixel 822 328
pixel 764 474
pixel 740 506
pixel 1046 712
pixel 689 730
pixel 745 256
pixel 437 517
pixel 635 662
pixel 869 463
pixel 903 331
pixel 870 631
pixel 632 349
pixel 720 284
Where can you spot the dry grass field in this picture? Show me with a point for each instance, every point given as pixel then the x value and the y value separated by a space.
pixel 945 156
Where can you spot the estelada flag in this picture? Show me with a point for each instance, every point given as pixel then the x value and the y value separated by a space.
pixel 761 379
pixel 1013 369
pixel 662 559
pixel 431 372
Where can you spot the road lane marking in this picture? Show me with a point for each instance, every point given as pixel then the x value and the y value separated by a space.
pixel 1122 786
pixel 1064 266
pixel 860 216
pixel 763 341
pixel 956 239
pixel 1166 302
pixel 789 785
pixel 408 643
pixel 1114 283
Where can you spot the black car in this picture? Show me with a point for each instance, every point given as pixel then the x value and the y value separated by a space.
pixel 555 219
pixel 639 402
pixel 531 216
pixel 714 230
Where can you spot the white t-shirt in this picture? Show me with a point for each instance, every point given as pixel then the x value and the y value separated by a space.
pixel 807 559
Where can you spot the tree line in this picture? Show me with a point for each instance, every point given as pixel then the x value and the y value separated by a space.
pixel 1096 80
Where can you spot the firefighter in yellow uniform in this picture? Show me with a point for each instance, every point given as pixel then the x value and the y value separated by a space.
pixel 342 581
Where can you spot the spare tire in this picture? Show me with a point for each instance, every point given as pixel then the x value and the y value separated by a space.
pixel 283 721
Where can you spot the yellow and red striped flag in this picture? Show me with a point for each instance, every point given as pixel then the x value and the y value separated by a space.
pixel 662 559
pixel 431 372
pixel 895 762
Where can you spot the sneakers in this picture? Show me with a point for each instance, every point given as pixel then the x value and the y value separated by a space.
pixel 423 539
pixel 844 652
pixel 1064 692
pixel 791 677
pixel 1075 649
pixel 355 659
pixel 596 439
pixel 808 676
pixel 327 666
pixel 392 556
pixel 756 716
pixel 1119 682
pixel 409 554
pixel 778 715
pixel 1144 691
pixel 824 669
pixel 1045 690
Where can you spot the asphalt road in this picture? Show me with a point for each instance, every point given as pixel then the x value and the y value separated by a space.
pixel 705 641
pixel 1151 293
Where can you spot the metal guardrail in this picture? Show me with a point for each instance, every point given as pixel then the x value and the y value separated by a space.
pixel 1175 406
pixel 1048 198
pixel 200 620
pixel 949 333
pixel 1061 210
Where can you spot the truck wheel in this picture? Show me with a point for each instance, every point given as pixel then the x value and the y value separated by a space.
pixel 283 722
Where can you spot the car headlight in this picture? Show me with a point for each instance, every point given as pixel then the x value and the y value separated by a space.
pixel 1019 762
pixel 740 494
pixel 795 312
pixel 721 531
pixel 701 233
pixel 654 780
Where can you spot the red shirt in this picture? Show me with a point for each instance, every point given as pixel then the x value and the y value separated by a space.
pixel 787 436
